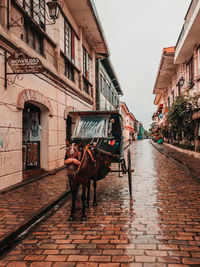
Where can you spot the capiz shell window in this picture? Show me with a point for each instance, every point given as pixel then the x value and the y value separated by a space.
pixel 87 127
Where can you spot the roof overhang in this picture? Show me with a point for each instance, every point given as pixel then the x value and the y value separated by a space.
pixel 189 36
pixel 131 116
pixel 166 70
pixel 85 14
pixel 110 70
pixel 124 106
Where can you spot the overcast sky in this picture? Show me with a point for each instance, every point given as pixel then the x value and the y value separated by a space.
pixel 136 32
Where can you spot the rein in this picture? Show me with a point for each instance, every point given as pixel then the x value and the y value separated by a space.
pixel 84 153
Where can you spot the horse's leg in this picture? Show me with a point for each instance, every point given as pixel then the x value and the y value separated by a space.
pixel 70 183
pixel 83 216
pixel 74 197
pixel 88 194
pixel 95 193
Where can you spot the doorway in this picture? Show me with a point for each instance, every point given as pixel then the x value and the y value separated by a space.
pixel 31 138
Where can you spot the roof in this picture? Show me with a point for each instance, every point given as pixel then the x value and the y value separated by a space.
pixel 124 106
pixel 166 70
pixel 131 115
pixel 86 16
pixel 110 70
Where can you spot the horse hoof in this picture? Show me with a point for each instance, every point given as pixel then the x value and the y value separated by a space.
pixel 84 219
pixel 87 205
pixel 94 204
pixel 71 218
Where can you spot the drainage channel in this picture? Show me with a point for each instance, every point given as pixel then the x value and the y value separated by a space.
pixel 25 228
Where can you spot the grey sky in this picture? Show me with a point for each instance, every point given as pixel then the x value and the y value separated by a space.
pixel 136 32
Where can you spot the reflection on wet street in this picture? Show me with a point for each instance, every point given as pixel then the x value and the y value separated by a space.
pixel 159 226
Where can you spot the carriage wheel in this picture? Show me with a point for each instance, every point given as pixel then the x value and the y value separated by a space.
pixel 129 171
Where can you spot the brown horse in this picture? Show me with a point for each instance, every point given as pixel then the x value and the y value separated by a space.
pixel 83 163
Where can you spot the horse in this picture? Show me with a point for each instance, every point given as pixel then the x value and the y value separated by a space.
pixel 84 162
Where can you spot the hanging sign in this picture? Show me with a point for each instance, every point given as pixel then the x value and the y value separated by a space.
pixel 21 63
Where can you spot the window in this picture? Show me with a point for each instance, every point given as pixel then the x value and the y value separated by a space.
pixel 112 100
pixel 101 83
pixel 190 67
pixel 173 96
pixel 105 88
pixel 86 64
pixel 86 86
pixel 69 70
pixel 109 93
pixel 168 102
pixel 69 42
pixel 33 38
pixel 69 50
pixel 36 10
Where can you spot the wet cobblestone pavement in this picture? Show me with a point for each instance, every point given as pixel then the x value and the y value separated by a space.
pixel 159 227
pixel 188 161
pixel 20 204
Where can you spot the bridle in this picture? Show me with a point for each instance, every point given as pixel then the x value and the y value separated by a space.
pixel 72 151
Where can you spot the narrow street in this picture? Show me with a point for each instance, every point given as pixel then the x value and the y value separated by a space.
pixel 158 227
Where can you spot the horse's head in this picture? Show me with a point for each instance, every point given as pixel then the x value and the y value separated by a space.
pixel 72 151
pixel 72 157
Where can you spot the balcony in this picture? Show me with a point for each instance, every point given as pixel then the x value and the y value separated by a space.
pixel 190 35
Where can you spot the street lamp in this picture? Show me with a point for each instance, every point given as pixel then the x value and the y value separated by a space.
pixel 54 9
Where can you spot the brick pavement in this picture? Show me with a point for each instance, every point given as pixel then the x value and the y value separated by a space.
pixel 18 205
pixel 189 162
pixel 159 227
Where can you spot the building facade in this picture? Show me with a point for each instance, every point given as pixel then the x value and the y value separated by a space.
pixel 58 76
pixel 130 124
pixel 179 72
pixel 108 89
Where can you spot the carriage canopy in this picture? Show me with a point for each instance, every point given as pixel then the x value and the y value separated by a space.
pixel 96 124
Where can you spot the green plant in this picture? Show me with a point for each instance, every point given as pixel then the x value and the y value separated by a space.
pixel 180 117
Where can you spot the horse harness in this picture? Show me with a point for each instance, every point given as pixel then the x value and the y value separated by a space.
pixel 89 153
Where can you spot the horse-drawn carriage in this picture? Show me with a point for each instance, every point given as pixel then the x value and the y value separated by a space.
pixel 94 142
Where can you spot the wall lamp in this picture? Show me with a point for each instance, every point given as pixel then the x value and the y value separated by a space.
pixel 54 8
pixel 181 81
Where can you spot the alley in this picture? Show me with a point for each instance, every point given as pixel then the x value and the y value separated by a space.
pixel 158 227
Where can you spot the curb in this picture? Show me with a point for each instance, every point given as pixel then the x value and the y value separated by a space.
pixel 22 229
pixel 194 176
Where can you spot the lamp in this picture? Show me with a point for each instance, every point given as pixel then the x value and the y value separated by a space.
pixel 54 9
pixel 181 81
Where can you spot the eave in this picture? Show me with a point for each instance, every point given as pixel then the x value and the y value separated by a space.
pixel 166 70
pixel 85 14
pixel 190 35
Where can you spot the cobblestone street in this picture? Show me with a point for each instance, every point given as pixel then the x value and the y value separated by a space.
pixel 158 227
